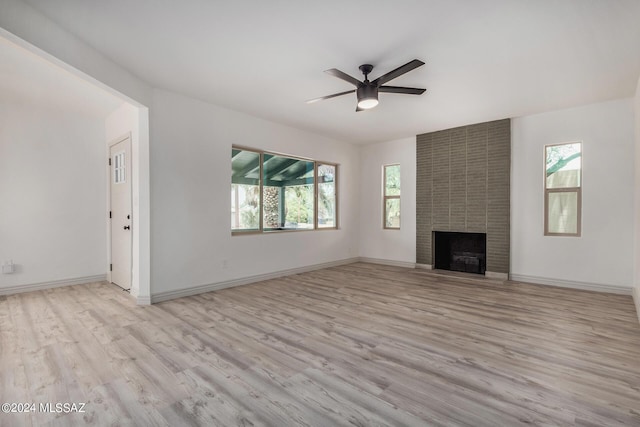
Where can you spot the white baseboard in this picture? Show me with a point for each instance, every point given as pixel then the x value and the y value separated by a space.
pixel 585 286
pixel 53 284
pixel 494 275
pixel 143 300
pixel 195 290
pixel 388 262
pixel 636 299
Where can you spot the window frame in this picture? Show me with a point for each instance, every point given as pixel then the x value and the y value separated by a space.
pixel 260 161
pixel 385 197
pixel 577 190
pixel 317 193
pixel 316 163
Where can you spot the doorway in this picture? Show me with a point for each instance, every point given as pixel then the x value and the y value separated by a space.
pixel 120 213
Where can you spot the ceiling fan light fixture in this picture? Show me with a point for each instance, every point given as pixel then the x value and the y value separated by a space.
pixel 366 104
pixel 367 97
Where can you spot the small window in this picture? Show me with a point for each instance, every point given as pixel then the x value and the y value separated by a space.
pixel 119 170
pixel 391 196
pixel 563 189
pixel 327 213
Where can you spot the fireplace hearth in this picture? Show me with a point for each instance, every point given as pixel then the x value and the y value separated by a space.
pixel 465 252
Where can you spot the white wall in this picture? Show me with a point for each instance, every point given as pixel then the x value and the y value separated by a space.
pixel 636 259
pixel 66 50
pixel 191 199
pixel 375 242
pixel 604 253
pixel 52 205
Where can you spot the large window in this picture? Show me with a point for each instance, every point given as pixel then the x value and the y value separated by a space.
pixel 391 196
pixel 272 192
pixel 563 189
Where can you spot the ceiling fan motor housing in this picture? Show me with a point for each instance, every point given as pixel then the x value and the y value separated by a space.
pixel 367 91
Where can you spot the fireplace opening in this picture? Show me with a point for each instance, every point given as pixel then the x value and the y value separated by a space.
pixel 466 252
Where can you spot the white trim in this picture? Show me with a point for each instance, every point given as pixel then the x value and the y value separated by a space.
pixel 143 300
pixel 636 299
pixel 585 286
pixel 195 290
pixel 118 140
pixel 495 275
pixel 424 266
pixel 404 264
pixel 10 290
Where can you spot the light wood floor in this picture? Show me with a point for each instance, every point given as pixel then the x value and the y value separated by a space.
pixel 357 345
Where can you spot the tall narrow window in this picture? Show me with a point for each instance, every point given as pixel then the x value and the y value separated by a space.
pixel 327 196
pixel 245 190
pixel 391 196
pixel 563 189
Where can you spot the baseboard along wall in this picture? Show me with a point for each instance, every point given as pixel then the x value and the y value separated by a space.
pixel 10 290
pixel 585 286
pixel 200 289
pixel 194 290
pixel 388 262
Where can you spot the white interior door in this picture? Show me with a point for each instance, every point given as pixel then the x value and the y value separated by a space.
pixel 121 215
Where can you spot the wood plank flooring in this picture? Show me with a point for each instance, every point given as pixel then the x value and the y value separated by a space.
pixel 357 345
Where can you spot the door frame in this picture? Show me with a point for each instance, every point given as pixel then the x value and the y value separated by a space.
pixel 109 222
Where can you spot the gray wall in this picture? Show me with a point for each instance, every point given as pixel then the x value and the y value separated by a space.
pixel 463 185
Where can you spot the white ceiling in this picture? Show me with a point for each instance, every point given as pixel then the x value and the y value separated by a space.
pixel 485 60
pixel 27 79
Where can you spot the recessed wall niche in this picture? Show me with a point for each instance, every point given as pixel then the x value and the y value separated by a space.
pixel 463 185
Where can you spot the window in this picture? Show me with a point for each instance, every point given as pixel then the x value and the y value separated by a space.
pixel 245 190
pixel 326 196
pixel 273 192
pixel 288 193
pixel 391 196
pixel 119 170
pixel 563 189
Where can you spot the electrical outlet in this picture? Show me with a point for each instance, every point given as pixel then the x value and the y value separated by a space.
pixel 8 267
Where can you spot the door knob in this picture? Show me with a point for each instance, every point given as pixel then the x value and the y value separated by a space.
pixel 126 227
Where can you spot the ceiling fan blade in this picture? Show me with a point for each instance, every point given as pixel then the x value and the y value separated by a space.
pixel 398 72
pixel 311 101
pixel 398 89
pixel 344 76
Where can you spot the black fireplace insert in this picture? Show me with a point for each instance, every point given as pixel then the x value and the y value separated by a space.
pixel 455 251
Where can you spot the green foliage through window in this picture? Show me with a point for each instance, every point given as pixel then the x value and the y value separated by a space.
pixel 563 189
pixel 391 196
pixel 289 189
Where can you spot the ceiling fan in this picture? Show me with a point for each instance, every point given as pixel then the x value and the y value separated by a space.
pixel 367 91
